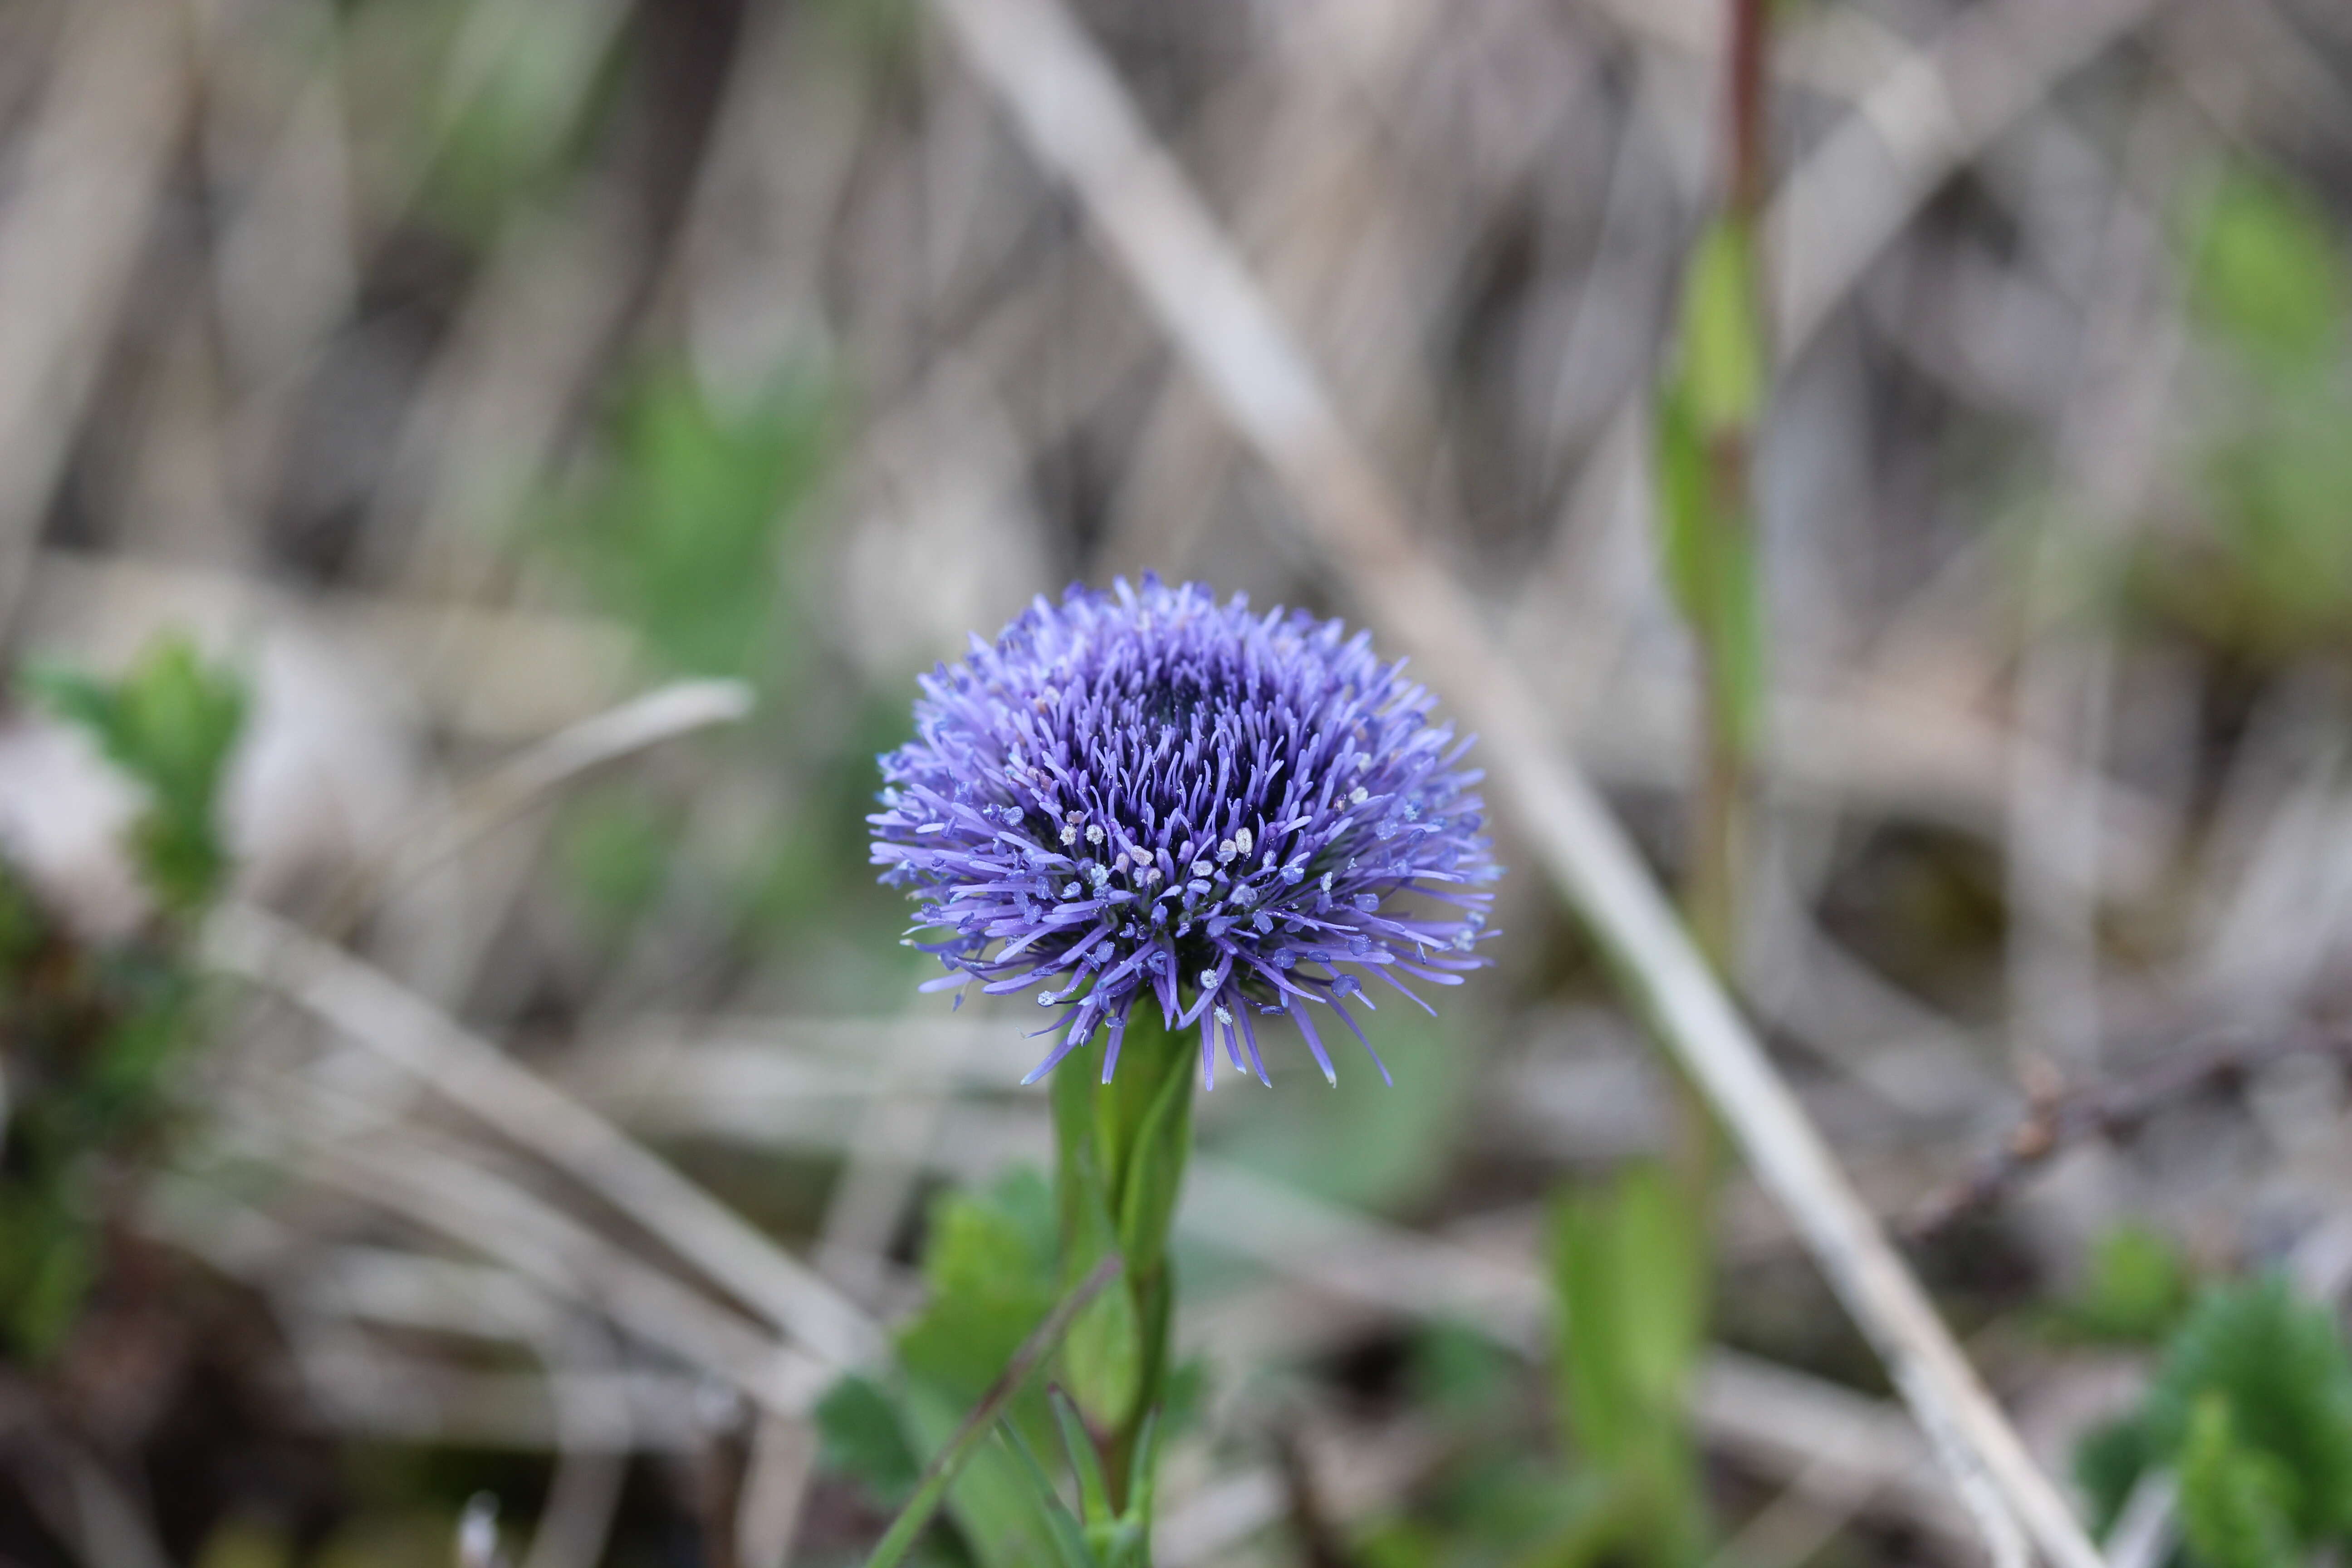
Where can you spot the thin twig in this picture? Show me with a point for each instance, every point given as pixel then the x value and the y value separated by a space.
pixel 2110 1111
pixel 1078 121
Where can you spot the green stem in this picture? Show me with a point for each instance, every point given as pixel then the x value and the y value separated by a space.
pixel 1122 1147
pixel 913 1519
pixel 1723 380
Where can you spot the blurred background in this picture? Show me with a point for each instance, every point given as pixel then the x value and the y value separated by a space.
pixel 480 478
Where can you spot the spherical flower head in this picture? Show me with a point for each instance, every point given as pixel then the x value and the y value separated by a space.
pixel 1147 795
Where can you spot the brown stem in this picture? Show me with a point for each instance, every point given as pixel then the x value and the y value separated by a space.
pixel 1750 34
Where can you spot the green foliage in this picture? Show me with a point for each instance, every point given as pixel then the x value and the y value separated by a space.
pixel 998 1263
pixel 1630 1268
pixel 480 108
pixel 2136 1289
pixel 2233 1498
pixel 1456 1368
pixel 885 31
pixel 2252 1408
pixel 990 1270
pixel 2279 489
pixel 680 536
pixel 2272 285
pixel 2268 272
pixel 51 1253
pixel 1099 1534
pixel 2108 1463
pixel 858 1424
pixel 169 723
pixel 516 87
pixel 990 1512
pixel 2279 1365
pixel 1722 372
pixel 89 1030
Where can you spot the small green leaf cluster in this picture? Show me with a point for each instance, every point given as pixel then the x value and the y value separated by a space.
pixel 169 723
pixel 2136 1290
pixel 89 1029
pixel 2251 1411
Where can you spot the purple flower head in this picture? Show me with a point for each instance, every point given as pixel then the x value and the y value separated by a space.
pixel 1147 793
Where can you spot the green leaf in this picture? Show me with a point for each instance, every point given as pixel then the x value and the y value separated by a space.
pixel 1143 1476
pixel 2279 491
pixel 169 722
pixel 22 929
pixel 1094 1492
pixel 132 1053
pixel 2269 272
pixel 1102 1359
pixel 1631 1281
pixel 1629 1276
pixel 990 1268
pixel 1602 1516
pixel 2280 1365
pixel 858 1425
pixel 1069 1541
pixel 2233 1499
pixel 613 846
pixel 1460 1369
pixel 2108 1464
pixel 48 1260
pixel 1722 369
pixel 979 1485
pixel 1712 397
